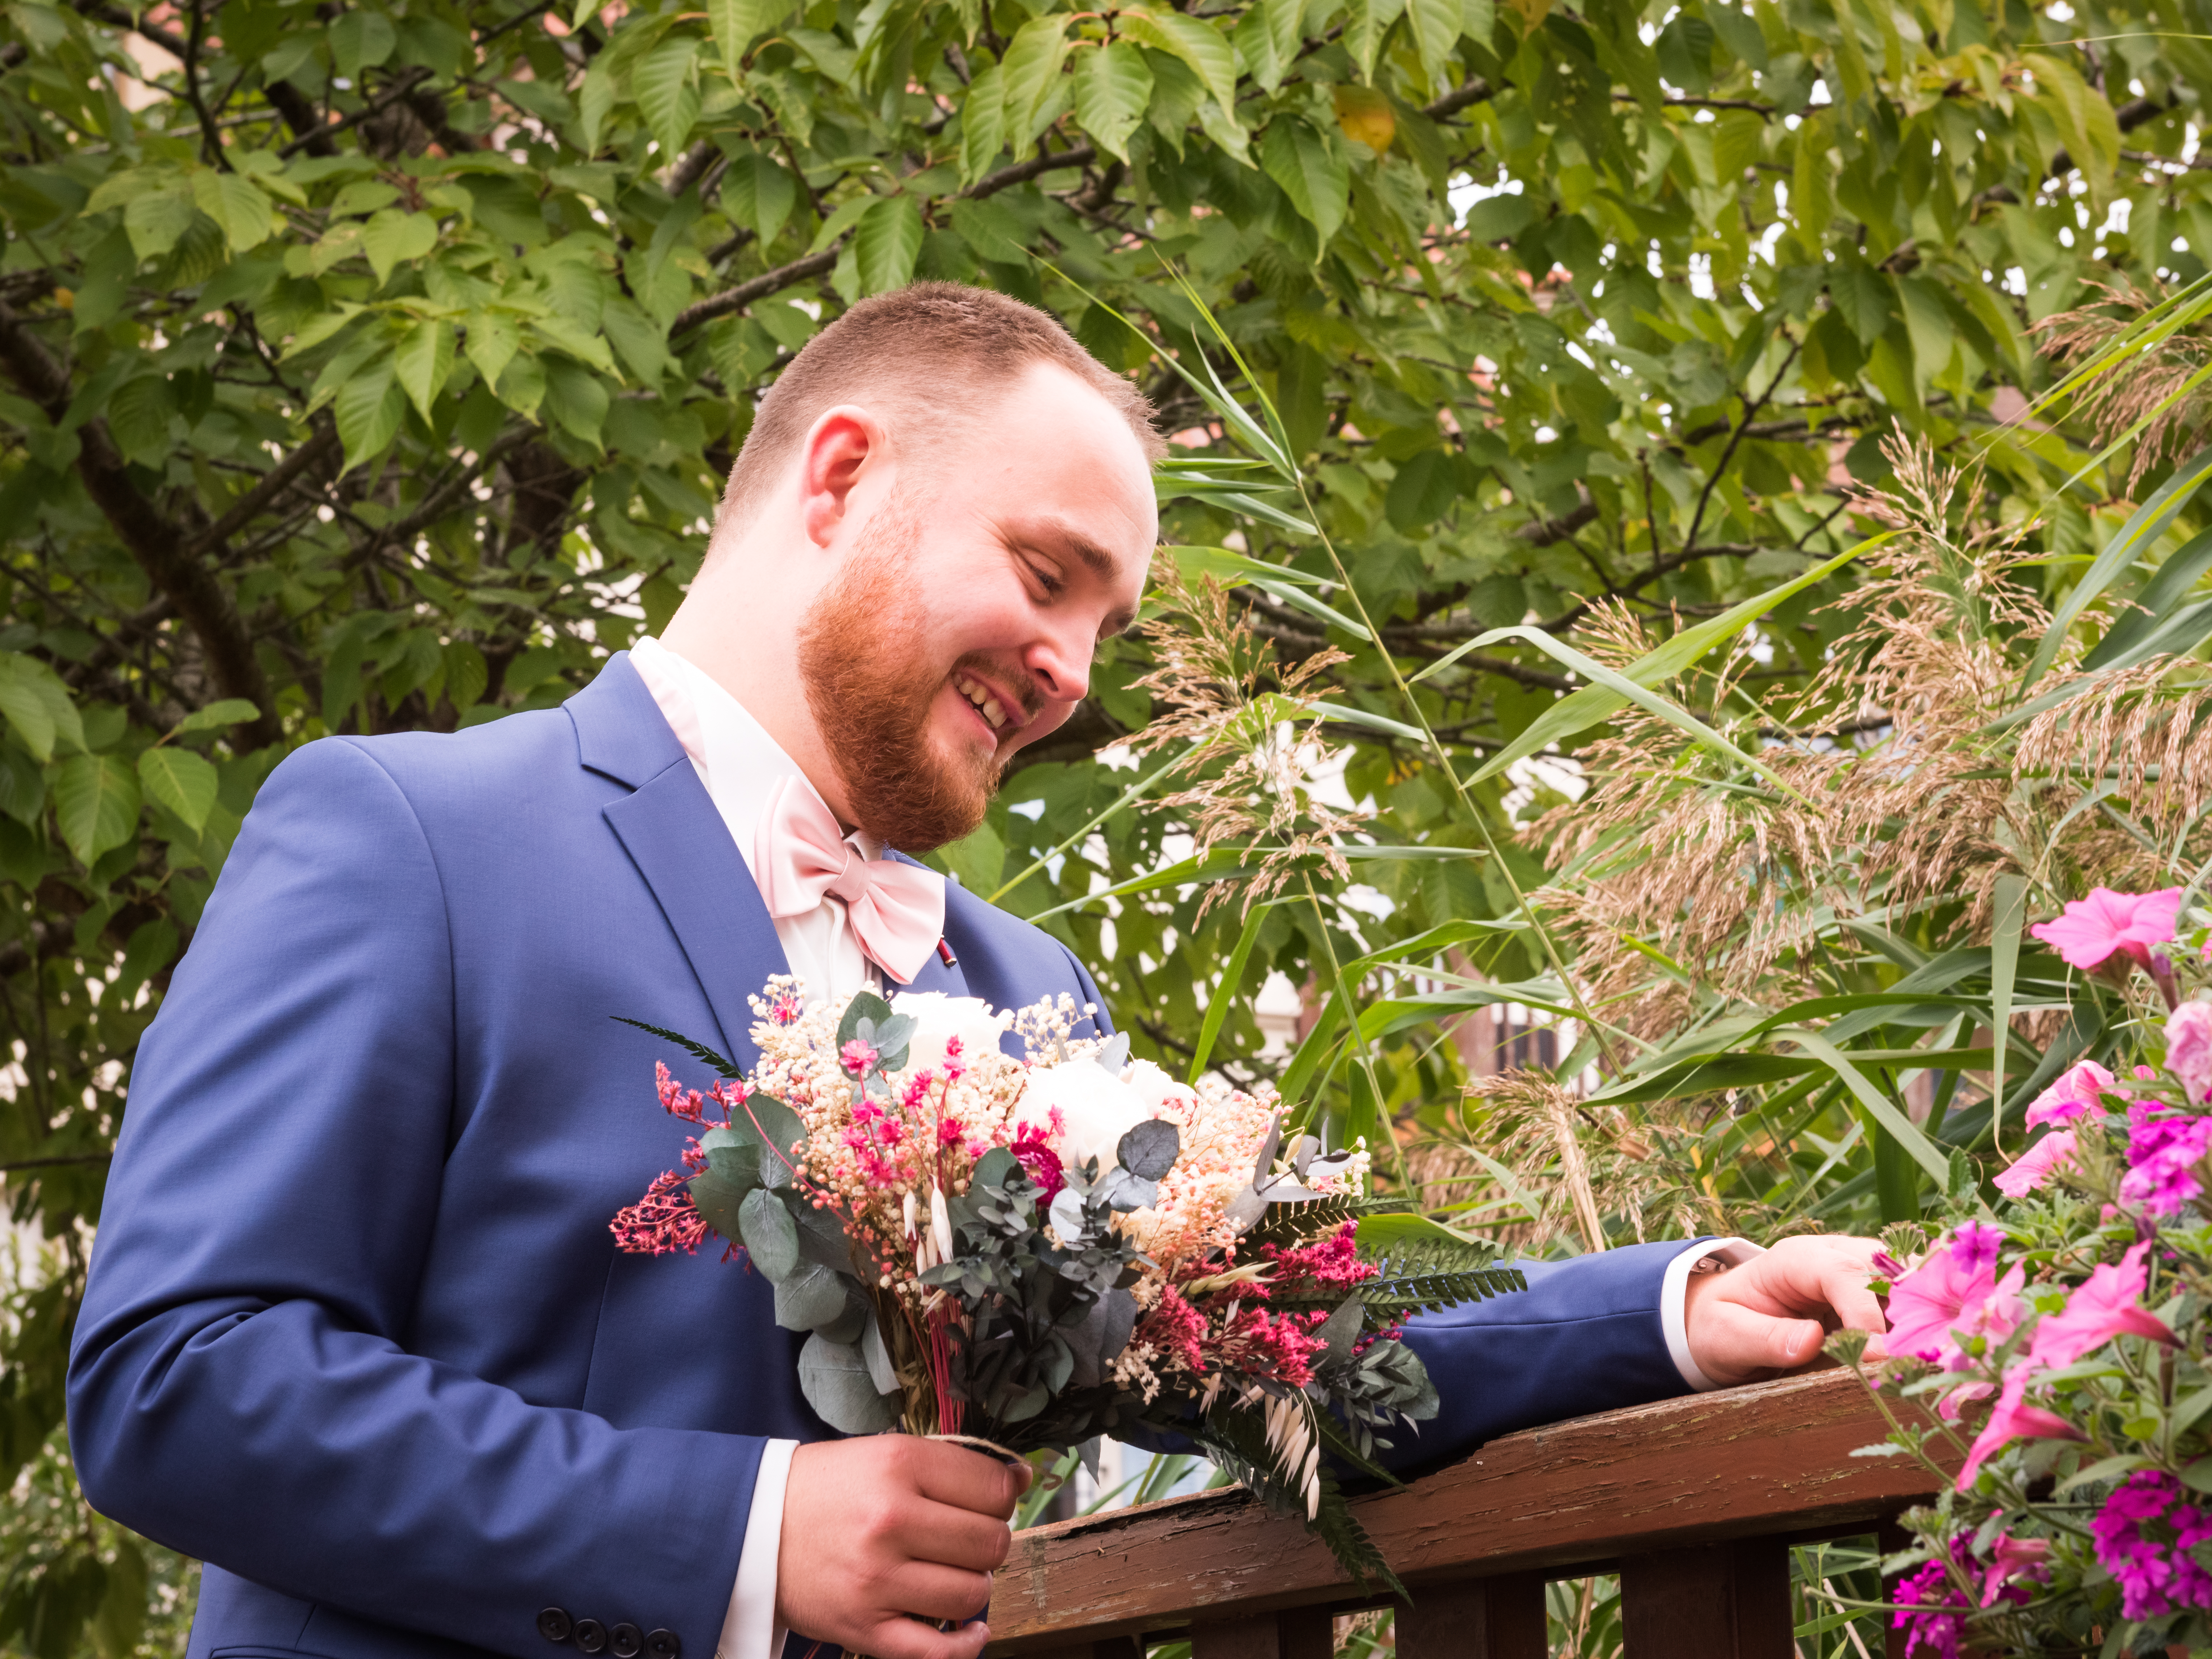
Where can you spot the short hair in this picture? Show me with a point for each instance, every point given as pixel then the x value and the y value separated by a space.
pixel 924 352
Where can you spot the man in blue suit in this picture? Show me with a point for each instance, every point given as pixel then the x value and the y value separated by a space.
pixel 357 1333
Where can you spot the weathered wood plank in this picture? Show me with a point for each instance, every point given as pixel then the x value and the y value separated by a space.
pixel 1773 1458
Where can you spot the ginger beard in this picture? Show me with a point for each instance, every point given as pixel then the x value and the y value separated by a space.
pixel 864 663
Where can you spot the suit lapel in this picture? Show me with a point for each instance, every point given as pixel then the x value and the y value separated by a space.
pixel 682 847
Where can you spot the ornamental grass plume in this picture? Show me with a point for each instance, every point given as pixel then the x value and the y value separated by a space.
pixel 1234 706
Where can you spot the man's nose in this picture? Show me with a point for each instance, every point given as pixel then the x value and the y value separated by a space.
pixel 1059 665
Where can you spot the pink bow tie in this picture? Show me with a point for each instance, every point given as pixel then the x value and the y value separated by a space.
pixel 896 911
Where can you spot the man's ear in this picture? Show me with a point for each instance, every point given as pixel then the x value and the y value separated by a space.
pixel 840 446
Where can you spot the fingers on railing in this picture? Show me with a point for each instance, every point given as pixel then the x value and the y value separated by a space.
pixel 1718 1601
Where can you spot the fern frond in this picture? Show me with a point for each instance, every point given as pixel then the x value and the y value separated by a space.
pixel 697 1050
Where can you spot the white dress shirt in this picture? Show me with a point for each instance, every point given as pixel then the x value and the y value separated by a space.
pixel 737 761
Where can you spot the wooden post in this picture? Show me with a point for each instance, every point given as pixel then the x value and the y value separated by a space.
pixel 1500 1618
pixel 1720 1602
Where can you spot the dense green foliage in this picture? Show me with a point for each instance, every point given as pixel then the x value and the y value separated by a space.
pixel 374 366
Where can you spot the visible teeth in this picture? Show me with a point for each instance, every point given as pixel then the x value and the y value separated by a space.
pixel 990 707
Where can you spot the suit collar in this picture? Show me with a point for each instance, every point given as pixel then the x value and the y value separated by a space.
pixel 621 732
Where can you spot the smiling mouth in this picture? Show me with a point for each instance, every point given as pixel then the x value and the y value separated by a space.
pixel 985 702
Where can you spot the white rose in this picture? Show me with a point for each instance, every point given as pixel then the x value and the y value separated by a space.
pixel 1096 1108
pixel 1155 1087
pixel 938 1018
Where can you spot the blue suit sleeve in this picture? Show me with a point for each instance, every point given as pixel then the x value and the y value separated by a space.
pixel 1585 1336
pixel 240 1386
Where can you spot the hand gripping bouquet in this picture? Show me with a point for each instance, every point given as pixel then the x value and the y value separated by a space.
pixel 1035 1252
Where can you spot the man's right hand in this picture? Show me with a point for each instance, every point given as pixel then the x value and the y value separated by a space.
pixel 880 1528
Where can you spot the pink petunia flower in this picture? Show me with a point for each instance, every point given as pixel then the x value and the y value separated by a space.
pixel 2106 1306
pixel 2164 1153
pixel 2189 1048
pixel 2014 1558
pixel 2074 1094
pixel 2033 1169
pixel 1955 1289
pixel 2011 1419
pixel 2106 923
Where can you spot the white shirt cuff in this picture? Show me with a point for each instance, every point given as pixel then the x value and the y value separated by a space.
pixel 1673 1303
pixel 750 1630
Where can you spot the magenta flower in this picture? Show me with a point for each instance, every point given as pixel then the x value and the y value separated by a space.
pixel 857 1056
pixel 2075 1093
pixel 2106 1306
pixel 1954 1288
pixel 2164 1153
pixel 2189 1048
pixel 2011 1419
pixel 2144 1537
pixel 2033 1169
pixel 2106 923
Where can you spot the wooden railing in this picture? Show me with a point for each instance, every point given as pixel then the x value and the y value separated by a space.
pixel 1693 1502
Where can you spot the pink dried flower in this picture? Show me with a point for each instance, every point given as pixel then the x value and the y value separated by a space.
pixel 2189 1048
pixel 1331 1262
pixel 857 1057
pixel 2105 922
pixel 2075 1093
pixel 1032 1150
pixel 664 1221
pixel 2157 1575
pixel 2164 1153
pixel 2102 1308
pixel 2034 1168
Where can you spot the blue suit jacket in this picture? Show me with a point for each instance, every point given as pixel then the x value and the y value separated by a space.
pixel 357 1334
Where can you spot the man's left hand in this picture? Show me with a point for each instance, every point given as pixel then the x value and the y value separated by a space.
pixel 1770 1315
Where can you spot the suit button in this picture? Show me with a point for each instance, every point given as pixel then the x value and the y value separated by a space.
pixel 663 1644
pixel 624 1640
pixel 591 1635
pixel 553 1624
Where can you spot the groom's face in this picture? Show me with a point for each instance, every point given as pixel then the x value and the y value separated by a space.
pixel 964 620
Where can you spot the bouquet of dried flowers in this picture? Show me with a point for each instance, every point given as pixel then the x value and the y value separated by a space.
pixel 1034 1252
pixel 2062 1338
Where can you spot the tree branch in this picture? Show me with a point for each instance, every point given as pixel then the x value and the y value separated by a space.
pixel 156 543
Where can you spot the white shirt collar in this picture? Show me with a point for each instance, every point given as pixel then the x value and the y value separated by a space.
pixel 738 760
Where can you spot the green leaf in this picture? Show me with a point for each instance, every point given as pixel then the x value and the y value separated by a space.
pixel 1027 73
pixel 422 361
pixel 1312 172
pixel 1113 85
pixel 835 1379
pixel 887 243
pixel 771 1237
pixel 1436 25
pixel 392 236
pixel 1205 49
pixel 982 124
pixel 370 409
pixel 360 39
pixel 37 704
pixel 2011 893
pixel 667 93
pixel 228 711
pixel 1221 995
pixel 155 222
pixel 738 23
pixel 577 398
pixel 138 417
pixel 96 805
pixel 491 339
pixel 759 192
pixel 1900 1128
pixel 180 781
pixel 237 205
pixel 812 1296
